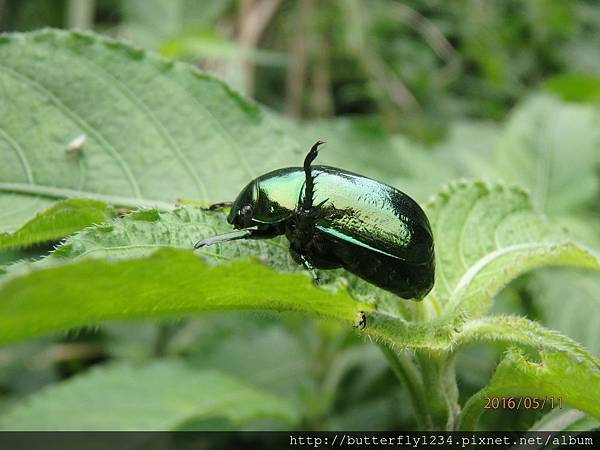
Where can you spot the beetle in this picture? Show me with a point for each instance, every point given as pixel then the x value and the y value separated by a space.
pixel 334 218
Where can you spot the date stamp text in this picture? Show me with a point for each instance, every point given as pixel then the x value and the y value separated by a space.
pixel 522 402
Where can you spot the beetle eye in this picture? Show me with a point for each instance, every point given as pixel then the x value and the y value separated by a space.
pixel 247 211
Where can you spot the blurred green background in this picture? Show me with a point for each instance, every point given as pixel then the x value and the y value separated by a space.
pixel 462 88
pixel 414 65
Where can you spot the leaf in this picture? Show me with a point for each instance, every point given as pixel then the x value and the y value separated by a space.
pixel 486 235
pixel 170 282
pixel 17 209
pixel 545 146
pixel 574 87
pixel 569 301
pixel 98 265
pixel 26 288
pixel 565 420
pixel 517 330
pixel 555 375
pixel 157 131
pixel 60 220
pixel 279 363
pixel 451 336
pixel 143 231
pixel 159 396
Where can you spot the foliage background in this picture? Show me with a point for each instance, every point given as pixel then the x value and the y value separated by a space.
pixel 413 93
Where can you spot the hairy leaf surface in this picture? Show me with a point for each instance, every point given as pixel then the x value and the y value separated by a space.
pixel 486 235
pixel 168 283
pixel 61 219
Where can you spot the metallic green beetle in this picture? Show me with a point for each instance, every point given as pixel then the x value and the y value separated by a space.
pixel 369 228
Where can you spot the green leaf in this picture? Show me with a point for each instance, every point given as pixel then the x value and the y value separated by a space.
pixel 143 231
pixel 569 301
pixel 545 146
pixel 574 87
pixel 60 220
pixel 170 282
pixel 17 209
pixel 555 375
pixel 159 396
pixel 452 335
pixel 279 362
pixel 486 235
pixel 157 131
pixel 526 333
pixel 26 288
pixel 565 420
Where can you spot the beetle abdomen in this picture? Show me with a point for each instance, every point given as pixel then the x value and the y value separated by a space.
pixel 373 214
pixel 377 232
pixel 373 229
pixel 405 279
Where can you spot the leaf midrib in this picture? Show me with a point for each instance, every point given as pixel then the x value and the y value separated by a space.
pixel 481 263
pixel 57 192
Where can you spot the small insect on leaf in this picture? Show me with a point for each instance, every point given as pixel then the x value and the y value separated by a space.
pixel 360 321
pixel 122 211
pixel 76 145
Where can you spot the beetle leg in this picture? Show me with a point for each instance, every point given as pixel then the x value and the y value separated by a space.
pixel 315 211
pixel 310 180
pixel 234 235
pixel 302 230
pixel 301 259
pixel 306 211
pixel 217 206
pixel 308 266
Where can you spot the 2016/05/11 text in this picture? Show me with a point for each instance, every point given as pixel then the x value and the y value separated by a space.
pixel 522 402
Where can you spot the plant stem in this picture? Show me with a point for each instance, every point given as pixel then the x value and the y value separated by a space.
pixel 296 72
pixel 164 334
pixel 439 378
pixel 255 16
pixel 80 14
pixel 467 420
pixel 409 375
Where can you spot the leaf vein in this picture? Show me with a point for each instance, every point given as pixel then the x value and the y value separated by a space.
pixel 20 154
pixel 57 192
pixel 69 112
pixel 234 146
pixel 147 111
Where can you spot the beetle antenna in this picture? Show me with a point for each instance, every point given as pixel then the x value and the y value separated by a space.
pixel 310 180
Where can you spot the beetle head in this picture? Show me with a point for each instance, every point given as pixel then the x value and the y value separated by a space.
pixel 242 210
pixel 265 202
